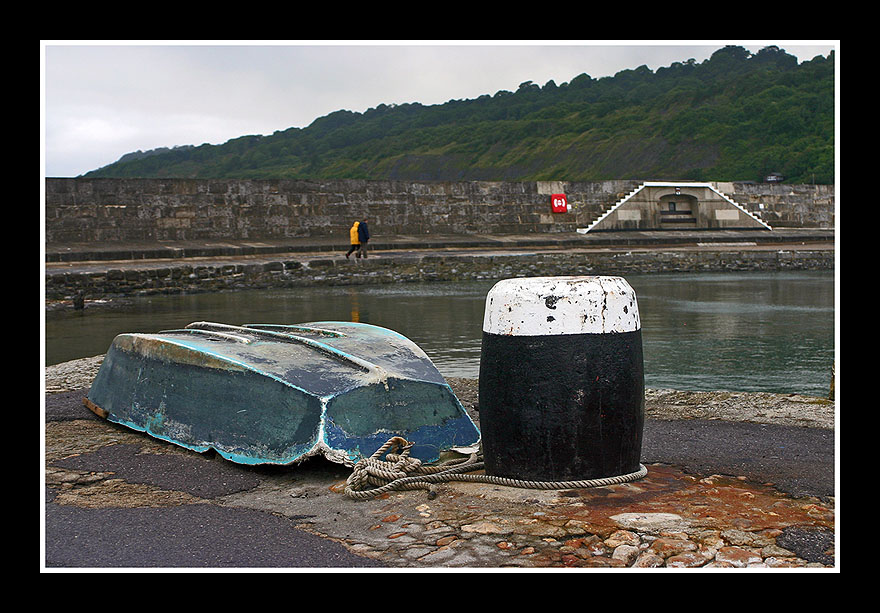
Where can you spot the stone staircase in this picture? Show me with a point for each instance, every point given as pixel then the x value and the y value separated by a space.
pixel 607 211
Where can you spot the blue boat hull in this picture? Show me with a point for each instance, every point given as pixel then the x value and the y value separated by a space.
pixel 274 394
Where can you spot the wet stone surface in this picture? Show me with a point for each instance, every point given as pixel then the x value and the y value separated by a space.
pixel 670 518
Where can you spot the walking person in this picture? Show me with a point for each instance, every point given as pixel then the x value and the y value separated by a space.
pixel 355 241
pixel 363 232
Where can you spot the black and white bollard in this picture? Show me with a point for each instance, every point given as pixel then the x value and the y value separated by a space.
pixel 562 387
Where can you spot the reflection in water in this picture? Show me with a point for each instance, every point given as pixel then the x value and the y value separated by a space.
pixel 748 332
pixel 729 331
pixel 355 305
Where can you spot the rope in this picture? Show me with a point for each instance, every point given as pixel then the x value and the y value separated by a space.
pixel 401 472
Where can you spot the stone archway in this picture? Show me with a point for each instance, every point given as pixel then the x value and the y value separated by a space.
pixel 678 210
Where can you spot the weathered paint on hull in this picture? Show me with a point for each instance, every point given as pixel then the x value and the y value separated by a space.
pixel 276 394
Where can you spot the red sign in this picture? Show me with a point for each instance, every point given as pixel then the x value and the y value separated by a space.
pixel 559 203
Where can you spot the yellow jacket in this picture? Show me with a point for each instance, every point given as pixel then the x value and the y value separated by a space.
pixel 353 233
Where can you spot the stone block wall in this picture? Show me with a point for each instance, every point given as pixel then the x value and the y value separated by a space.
pixel 786 206
pixel 119 210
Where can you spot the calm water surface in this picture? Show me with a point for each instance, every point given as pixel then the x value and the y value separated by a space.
pixel 770 332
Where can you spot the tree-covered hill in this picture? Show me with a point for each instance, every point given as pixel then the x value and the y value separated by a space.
pixel 734 117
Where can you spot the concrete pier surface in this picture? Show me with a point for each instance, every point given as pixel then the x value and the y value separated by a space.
pixel 796 238
pixel 735 480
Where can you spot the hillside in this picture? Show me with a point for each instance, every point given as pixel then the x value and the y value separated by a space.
pixel 734 117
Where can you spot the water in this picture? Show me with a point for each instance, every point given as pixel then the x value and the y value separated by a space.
pixel 771 332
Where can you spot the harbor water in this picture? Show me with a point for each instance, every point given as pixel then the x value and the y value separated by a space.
pixel 743 331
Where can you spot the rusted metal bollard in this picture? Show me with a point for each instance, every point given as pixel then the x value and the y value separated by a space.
pixel 562 392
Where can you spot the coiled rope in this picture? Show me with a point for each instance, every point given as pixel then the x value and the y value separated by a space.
pixel 399 471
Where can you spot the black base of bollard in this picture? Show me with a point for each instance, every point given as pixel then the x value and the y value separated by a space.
pixel 561 408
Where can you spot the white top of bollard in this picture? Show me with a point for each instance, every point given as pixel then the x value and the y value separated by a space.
pixel 540 306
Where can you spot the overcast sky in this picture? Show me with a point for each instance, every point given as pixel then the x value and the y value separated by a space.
pixel 103 100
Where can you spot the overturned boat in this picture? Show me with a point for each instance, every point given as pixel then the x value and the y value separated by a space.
pixel 277 394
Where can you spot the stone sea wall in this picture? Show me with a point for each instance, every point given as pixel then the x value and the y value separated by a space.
pixel 177 277
pixel 118 210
